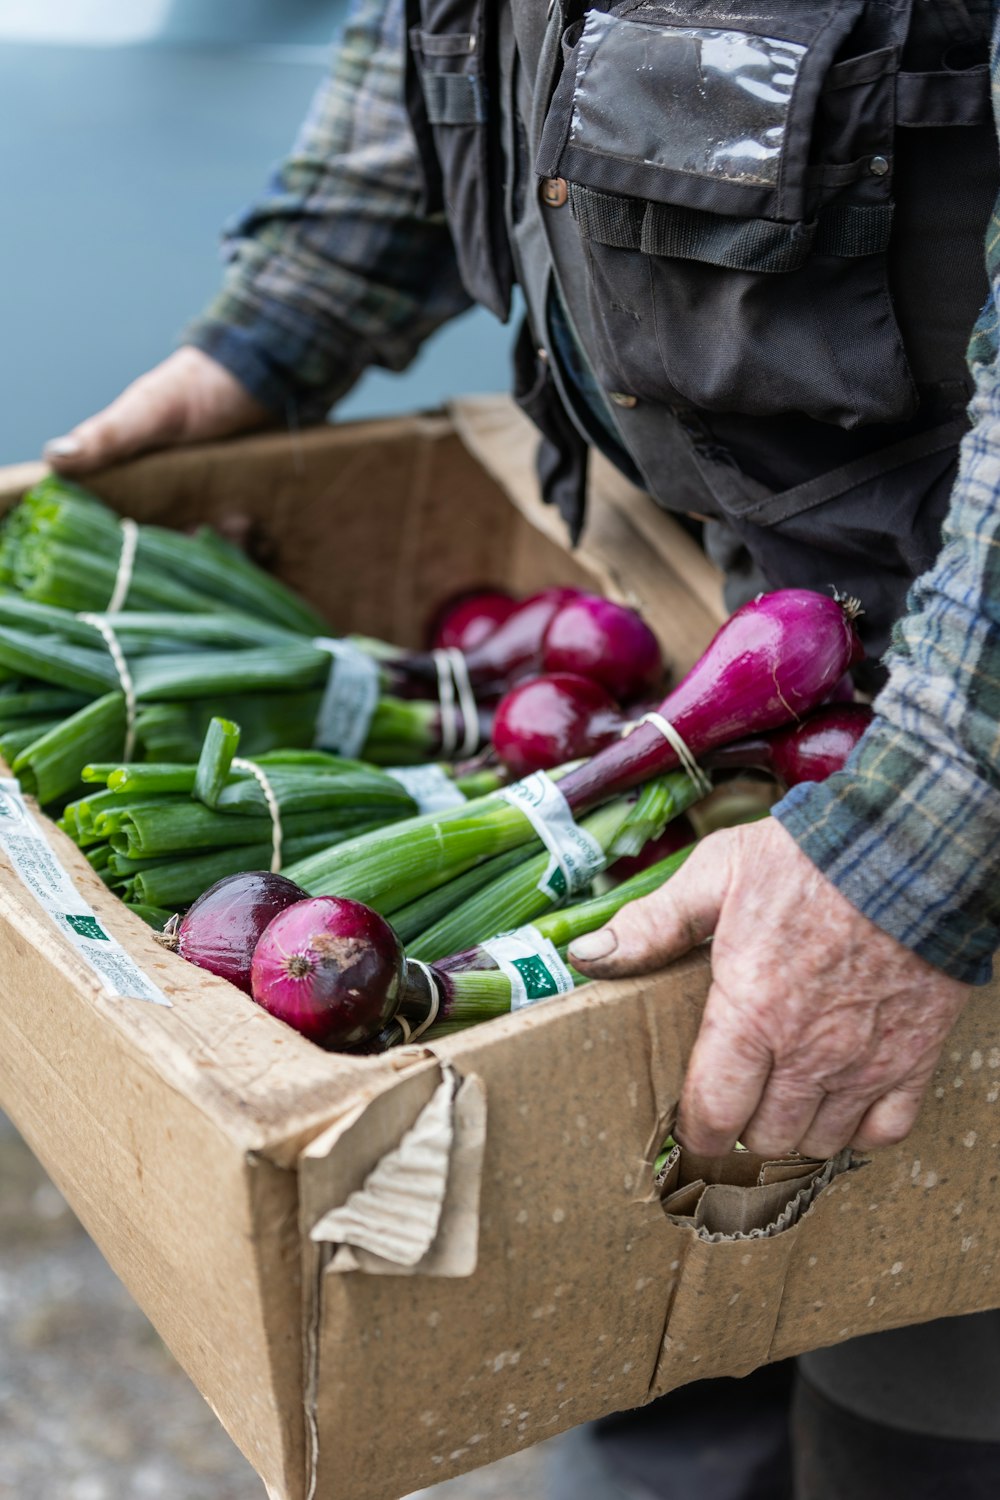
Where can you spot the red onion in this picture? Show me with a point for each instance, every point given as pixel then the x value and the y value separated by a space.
pixel 809 751
pixel 603 640
pixel 843 692
pixel 332 968
pixel 221 929
pixel 466 620
pixel 515 647
pixel 550 720
pixel 776 658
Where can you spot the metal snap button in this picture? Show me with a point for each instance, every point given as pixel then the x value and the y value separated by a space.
pixel 554 192
pixel 622 398
pixel 878 166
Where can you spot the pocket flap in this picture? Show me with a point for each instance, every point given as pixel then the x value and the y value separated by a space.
pixel 656 102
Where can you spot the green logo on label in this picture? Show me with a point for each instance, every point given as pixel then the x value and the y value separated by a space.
pixel 87 927
pixel 556 882
pixel 538 982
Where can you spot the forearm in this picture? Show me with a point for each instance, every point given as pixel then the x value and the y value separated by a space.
pixel 336 268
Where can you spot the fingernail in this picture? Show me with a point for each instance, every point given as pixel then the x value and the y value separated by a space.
pixel 63 447
pixel 593 945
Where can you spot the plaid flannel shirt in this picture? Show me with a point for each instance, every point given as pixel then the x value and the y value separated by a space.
pixel 336 269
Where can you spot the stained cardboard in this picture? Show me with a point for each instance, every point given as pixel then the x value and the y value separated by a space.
pixel 201 1145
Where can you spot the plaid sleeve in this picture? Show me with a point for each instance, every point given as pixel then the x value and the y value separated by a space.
pixel 336 268
pixel 909 831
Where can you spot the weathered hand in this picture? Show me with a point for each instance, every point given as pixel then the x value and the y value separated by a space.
pixel 188 398
pixel 820 1030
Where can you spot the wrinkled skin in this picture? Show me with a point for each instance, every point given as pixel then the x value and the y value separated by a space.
pixel 188 398
pixel 820 1030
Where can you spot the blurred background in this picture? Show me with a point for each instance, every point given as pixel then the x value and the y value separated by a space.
pixel 130 131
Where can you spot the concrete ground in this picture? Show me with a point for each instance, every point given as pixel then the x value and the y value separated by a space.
pixel 92 1405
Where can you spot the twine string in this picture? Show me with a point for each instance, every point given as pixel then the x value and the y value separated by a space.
pixel 126 565
pixel 260 776
pixel 105 630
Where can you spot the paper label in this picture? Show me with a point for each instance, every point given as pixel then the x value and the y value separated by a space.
pixel 576 856
pixel 25 845
pixel 349 699
pixel 531 963
pixel 431 788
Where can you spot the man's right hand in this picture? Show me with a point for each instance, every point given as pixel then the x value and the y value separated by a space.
pixel 188 398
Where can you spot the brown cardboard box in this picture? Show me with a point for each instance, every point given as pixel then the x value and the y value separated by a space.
pixel 203 1144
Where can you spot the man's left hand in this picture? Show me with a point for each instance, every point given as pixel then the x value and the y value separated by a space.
pixel 820 1030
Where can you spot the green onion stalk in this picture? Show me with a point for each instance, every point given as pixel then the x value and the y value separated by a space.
pixel 622 827
pixel 471 987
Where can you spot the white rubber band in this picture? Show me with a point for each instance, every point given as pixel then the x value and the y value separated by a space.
pixel 466 700
pixel 277 836
pixel 446 698
pixel 676 741
pixel 432 1014
pixel 126 563
pixel 104 629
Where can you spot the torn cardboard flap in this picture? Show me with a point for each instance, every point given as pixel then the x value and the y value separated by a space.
pixel 417 1212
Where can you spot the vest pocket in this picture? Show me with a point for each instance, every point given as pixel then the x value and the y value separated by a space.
pixel 730 180
pixel 450 75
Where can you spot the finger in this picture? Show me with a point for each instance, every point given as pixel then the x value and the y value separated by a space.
pixel 890 1119
pixel 785 1114
pixel 837 1122
pixel 725 1081
pixel 651 932
pixel 148 413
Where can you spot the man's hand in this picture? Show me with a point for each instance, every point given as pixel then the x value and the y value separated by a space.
pixel 820 1031
pixel 186 399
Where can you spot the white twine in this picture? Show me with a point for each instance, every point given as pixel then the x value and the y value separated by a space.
pixel 101 625
pixel 684 755
pixel 126 563
pixel 446 698
pixel 435 1006
pixel 466 699
pixel 259 775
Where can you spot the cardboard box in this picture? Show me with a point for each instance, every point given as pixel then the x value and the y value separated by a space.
pixel 201 1145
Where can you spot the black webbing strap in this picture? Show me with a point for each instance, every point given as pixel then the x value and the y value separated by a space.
pixel 453 98
pixel 736 244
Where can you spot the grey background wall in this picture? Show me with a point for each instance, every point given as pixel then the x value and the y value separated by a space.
pixel 130 130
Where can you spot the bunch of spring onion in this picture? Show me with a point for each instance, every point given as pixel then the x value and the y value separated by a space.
pixel 61 546
pixel 62 703
pixel 160 834
pixel 776 658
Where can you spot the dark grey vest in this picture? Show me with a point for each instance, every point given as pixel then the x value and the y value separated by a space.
pixel 758 225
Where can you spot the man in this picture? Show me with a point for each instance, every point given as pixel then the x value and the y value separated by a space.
pixel 697 200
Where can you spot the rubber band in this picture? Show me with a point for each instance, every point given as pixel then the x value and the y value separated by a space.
pixel 405 1028
pixel 104 629
pixel 446 698
pixel 435 1006
pixel 676 741
pixel 466 700
pixel 277 836
pixel 126 563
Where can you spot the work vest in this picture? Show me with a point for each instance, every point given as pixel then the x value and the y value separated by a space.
pixel 750 238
